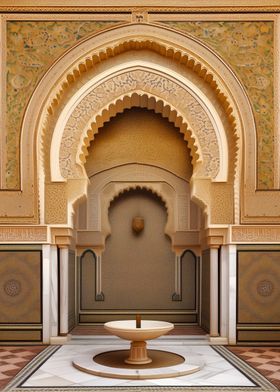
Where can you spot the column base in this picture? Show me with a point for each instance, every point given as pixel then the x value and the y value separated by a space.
pixel 219 340
pixel 59 339
pixel 138 354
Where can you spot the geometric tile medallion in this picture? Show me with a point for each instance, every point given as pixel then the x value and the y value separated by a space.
pixel 52 370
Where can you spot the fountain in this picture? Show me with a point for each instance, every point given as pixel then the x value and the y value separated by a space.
pixel 135 363
pixel 138 334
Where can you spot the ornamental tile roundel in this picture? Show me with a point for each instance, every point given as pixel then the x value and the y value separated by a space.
pixel 12 287
pixel 265 288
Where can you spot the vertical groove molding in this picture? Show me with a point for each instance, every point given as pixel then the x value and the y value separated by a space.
pixel 177 295
pixel 214 305
pixel 64 254
pixel 99 295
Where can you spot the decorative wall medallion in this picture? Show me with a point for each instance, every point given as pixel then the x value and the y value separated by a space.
pixel 265 288
pixel 12 287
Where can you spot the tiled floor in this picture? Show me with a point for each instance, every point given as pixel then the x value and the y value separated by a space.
pixel 58 369
pixel 13 359
pixel 265 360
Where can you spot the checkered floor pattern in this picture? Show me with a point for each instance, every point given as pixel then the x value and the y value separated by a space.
pixel 266 360
pixel 13 359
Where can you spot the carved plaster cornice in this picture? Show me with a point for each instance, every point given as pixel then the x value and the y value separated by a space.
pixel 226 6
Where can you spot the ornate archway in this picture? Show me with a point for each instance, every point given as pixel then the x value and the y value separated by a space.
pixel 74 75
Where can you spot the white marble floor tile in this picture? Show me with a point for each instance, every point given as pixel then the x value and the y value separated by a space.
pixel 48 381
pixel 58 369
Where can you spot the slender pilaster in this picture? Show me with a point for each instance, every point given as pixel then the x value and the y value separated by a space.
pixel 64 295
pixel 214 305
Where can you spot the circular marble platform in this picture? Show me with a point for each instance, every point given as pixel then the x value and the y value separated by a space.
pixel 164 365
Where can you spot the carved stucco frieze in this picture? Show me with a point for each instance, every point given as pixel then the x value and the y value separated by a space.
pixel 139 81
pixel 23 234
pixel 255 234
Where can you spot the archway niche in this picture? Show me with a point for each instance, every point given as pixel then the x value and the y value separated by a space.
pixel 139 166
pixel 150 80
pixel 139 149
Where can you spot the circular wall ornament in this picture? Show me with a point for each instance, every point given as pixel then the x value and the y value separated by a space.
pixel 265 288
pixel 12 287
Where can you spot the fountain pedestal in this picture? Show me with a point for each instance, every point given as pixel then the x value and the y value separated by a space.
pixel 127 329
pixel 138 354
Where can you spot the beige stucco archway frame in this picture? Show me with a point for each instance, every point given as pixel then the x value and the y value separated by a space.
pixel 175 46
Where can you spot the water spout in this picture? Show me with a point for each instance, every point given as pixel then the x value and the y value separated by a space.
pixel 138 320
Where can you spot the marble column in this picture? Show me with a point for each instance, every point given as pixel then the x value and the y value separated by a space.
pixel 214 292
pixel 224 290
pixel 50 294
pixel 63 273
pixel 232 293
pixel 46 292
pixel 54 292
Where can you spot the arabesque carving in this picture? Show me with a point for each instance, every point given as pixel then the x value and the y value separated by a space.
pixel 32 46
pixel 23 234
pixel 87 111
pixel 255 234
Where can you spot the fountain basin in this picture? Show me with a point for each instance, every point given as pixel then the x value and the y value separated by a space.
pixel 126 329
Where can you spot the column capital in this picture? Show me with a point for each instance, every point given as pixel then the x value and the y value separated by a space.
pixel 61 236
pixel 214 237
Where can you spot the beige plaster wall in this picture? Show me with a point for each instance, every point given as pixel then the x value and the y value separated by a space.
pixel 139 136
pixel 132 263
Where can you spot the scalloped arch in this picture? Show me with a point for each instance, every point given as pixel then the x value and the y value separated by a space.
pixel 149 188
pixel 143 100
pixel 170 93
pixel 179 55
